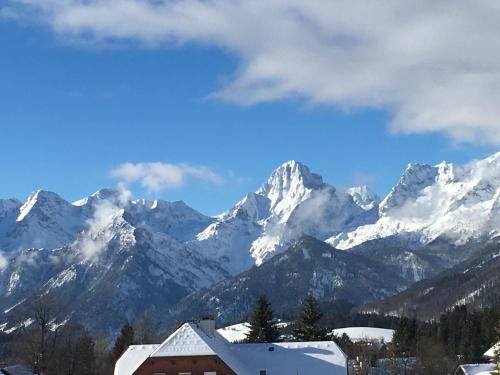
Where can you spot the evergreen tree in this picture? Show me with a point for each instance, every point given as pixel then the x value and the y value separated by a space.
pixel 262 325
pixel 404 339
pixel 496 353
pixel 308 328
pixel 86 359
pixel 124 340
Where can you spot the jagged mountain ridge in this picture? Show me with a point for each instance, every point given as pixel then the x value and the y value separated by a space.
pixel 459 202
pixel 111 247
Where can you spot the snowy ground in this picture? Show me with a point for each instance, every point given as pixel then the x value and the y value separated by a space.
pixel 366 333
pixel 238 332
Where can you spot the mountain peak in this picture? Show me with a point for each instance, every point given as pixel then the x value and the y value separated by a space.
pixel 106 194
pixel 39 198
pixel 364 197
pixel 415 178
pixel 290 175
pixel 290 184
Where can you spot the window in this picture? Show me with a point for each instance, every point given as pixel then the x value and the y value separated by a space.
pixel 184 373
pixel 262 372
pixel 210 373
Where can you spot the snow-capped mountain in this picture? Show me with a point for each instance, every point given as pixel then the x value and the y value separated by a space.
pixel 44 220
pixel 457 202
pixel 115 257
pixel 293 202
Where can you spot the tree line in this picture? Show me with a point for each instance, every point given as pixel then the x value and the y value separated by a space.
pixel 53 346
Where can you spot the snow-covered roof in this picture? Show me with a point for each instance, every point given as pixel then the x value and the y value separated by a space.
pixel 478 368
pixel 16 370
pixel 318 358
pixel 235 332
pixel 490 353
pixel 366 333
pixel 132 358
pixel 188 340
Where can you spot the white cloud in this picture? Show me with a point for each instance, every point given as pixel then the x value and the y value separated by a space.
pixel 99 231
pixel 156 177
pixel 434 65
pixel 4 262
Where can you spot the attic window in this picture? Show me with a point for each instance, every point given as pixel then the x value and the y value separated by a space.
pixel 262 372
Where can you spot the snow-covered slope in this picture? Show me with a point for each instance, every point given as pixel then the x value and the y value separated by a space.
pixel 456 202
pixel 293 202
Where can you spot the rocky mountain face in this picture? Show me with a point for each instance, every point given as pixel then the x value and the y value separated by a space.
pixel 113 257
pixel 309 267
pixel 474 282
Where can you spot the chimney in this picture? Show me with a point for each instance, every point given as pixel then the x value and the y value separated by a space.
pixel 207 325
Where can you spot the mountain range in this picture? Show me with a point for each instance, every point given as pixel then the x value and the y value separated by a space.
pixel 108 259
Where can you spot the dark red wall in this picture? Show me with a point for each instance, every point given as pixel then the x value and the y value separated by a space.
pixel 174 365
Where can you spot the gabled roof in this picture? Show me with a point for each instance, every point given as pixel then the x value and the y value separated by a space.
pixel 188 340
pixel 490 353
pixel 16 370
pixel 478 369
pixel 132 358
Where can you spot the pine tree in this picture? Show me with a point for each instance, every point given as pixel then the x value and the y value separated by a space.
pixel 404 339
pixel 262 325
pixel 308 328
pixel 85 356
pixel 496 353
pixel 123 341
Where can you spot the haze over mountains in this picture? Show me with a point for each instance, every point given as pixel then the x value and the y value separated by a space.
pixel 110 259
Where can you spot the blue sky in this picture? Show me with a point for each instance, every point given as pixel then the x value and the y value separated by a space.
pixel 72 110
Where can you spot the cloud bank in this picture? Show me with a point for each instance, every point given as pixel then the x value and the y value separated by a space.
pixel 157 177
pixel 433 65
